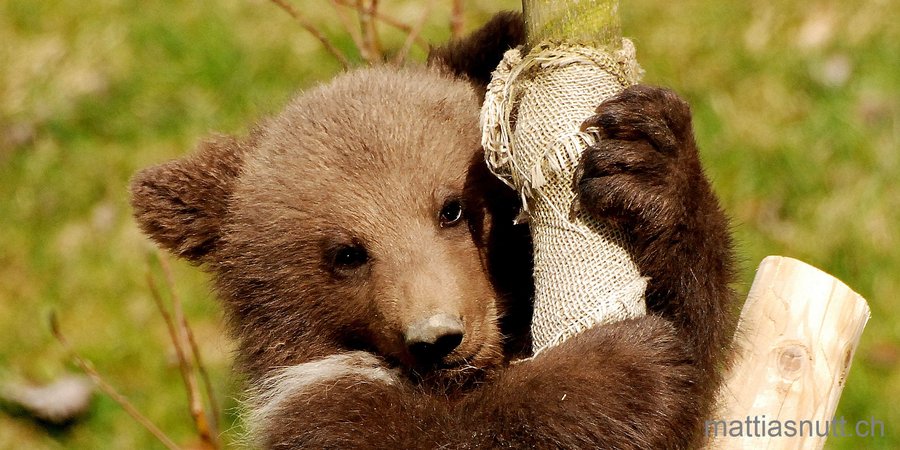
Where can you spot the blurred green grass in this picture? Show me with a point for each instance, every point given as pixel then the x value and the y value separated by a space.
pixel 796 109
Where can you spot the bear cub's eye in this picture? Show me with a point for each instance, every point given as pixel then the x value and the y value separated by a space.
pixel 451 213
pixel 350 257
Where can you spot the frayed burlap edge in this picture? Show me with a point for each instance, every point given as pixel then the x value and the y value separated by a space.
pixel 531 118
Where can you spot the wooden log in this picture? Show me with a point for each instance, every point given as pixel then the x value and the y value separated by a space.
pixel 796 338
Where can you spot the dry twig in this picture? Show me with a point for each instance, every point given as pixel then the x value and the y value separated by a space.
pixel 456 19
pixel 372 26
pixel 215 411
pixel 314 31
pixel 178 331
pixel 347 23
pixel 413 34
pixel 107 389
pixel 389 21
pixel 365 21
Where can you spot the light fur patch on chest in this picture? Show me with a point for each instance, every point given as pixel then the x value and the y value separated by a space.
pixel 271 394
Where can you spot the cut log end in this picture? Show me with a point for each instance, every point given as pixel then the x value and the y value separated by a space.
pixel 795 341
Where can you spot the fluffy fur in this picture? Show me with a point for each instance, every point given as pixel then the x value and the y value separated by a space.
pixel 272 395
pixel 328 233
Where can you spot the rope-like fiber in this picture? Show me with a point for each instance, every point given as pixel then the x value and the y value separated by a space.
pixel 531 118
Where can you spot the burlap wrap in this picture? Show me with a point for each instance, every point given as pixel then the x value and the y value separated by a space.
pixel 531 119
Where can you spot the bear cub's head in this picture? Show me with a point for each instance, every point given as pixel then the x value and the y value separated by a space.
pixel 349 221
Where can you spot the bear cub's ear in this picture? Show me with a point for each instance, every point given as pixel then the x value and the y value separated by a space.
pixel 182 204
pixel 478 54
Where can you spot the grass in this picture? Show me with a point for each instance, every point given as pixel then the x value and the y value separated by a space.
pixel 796 109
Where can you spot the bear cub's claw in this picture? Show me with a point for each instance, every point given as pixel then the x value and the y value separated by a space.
pixel 645 161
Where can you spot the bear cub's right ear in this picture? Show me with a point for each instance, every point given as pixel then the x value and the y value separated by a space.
pixel 182 204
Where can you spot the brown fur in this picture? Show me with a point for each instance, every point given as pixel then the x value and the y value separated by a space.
pixel 369 160
pixel 335 168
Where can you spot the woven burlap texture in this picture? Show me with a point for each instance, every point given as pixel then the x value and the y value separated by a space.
pixel 531 118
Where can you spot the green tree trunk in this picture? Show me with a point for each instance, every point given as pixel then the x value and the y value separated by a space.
pixel 594 23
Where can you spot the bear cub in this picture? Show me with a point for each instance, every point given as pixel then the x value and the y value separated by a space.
pixel 378 290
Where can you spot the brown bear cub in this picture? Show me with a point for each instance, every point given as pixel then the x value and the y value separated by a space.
pixel 378 289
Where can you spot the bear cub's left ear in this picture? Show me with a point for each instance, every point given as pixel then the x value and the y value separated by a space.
pixel 182 204
pixel 478 54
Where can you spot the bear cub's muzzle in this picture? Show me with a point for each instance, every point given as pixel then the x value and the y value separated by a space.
pixel 431 340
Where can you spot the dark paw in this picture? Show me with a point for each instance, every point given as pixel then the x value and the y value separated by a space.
pixel 643 166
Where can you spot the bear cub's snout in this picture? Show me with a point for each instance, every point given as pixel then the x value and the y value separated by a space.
pixel 430 341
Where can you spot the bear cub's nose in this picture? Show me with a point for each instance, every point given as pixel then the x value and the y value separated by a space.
pixel 432 339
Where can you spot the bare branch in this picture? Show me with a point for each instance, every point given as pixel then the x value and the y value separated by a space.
pixel 107 388
pixel 389 21
pixel 314 31
pixel 184 364
pixel 347 22
pixel 215 411
pixel 371 12
pixel 367 50
pixel 413 34
pixel 456 19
